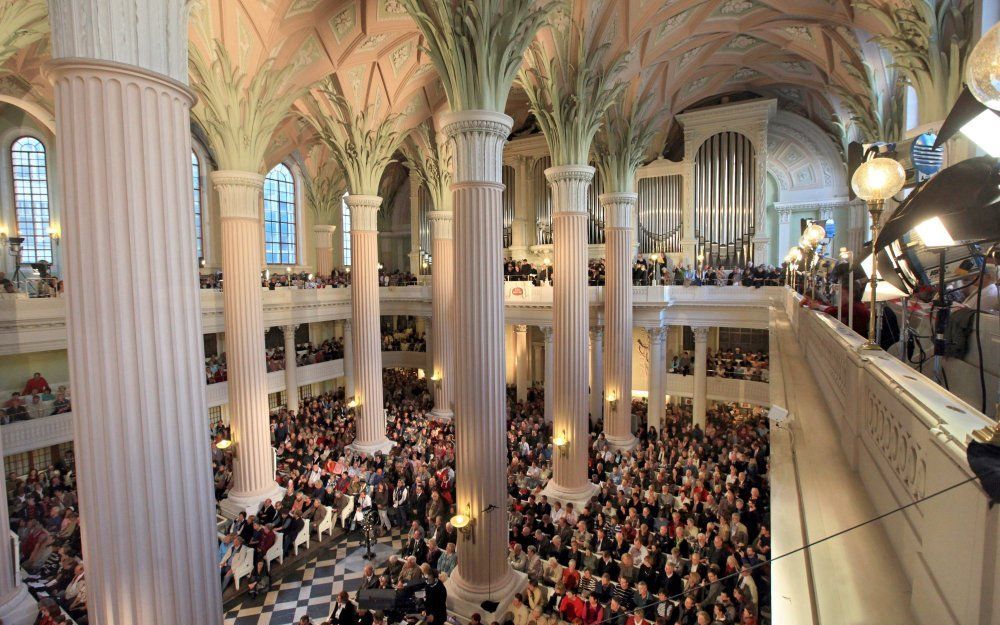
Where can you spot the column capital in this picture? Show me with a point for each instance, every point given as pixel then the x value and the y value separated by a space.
pixel 618 209
pixel 239 193
pixel 700 333
pixel 520 327
pixel 479 137
pixel 364 212
pixel 657 334
pixel 546 333
pixel 442 224
pixel 597 333
pixel 291 328
pixel 348 324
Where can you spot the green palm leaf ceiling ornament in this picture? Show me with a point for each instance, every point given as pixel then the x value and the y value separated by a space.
pixel 623 143
pixel 22 22
pixel 430 160
pixel 477 45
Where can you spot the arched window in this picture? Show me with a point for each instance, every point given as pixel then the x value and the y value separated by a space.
pixel 912 108
pixel 279 216
pixel 196 185
pixel 31 198
pixel 346 230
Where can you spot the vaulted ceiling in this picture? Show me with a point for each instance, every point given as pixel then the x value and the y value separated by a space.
pixel 688 51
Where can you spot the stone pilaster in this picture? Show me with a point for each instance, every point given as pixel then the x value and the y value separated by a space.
pixel 324 249
pixel 619 210
pixel 144 470
pixel 369 412
pixel 547 371
pixel 347 328
pixel 443 309
pixel 596 373
pixel 523 364
pixel 570 321
pixel 700 404
pixel 291 367
pixel 414 254
pixel 483 572
pixel 656 402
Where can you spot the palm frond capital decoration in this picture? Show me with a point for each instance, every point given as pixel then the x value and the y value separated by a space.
pixel 569 89
pixel 239 113
pixel 360 142
pixel 431 161
pixel 22 22
pixel 325 192
pixel 477 45
pixel 623 143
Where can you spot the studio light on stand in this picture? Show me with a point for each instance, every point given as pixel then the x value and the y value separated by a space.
pixel 875 181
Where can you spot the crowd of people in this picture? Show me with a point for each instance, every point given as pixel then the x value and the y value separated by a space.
pixel 43 513
pixel 403 338
pixel 35 401
pixel 730 363
pixel 337 279
pixel 677 532
pixel 649 272
pixel 307 354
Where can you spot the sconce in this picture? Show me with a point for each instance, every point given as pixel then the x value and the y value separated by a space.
pixel 420 374
pixel 3 236
pixel 612 400
pixel 561 443
pixel 465 523
pixel 436 378
pixel 201 263
pixel 354 403
pixel 55 235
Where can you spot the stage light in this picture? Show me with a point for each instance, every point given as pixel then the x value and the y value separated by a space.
pixel 933 233
pixel 984 131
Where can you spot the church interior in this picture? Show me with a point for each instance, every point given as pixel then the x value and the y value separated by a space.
pixel 500 312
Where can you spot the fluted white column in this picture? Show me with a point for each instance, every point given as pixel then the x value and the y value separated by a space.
pixel 348 334
pixel 291 366
pixel 596 373
pixel 657 377
pixel 700 375
pixel 443 309
pixel 570 321
pixel 239 209
pixel 548 375
pixel 324 249
pixel 369 413
pixel 17 606
pixel 480 398
pixel 619 255
pixel 414 255
pixel 522 367
pixel 143 461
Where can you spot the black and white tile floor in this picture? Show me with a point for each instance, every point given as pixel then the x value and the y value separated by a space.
pixel 312 588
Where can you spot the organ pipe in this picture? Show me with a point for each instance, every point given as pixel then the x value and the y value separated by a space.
pixel 543 201
pixel 660 211
pixel 595 212
pixel 509 198
pixel 725 196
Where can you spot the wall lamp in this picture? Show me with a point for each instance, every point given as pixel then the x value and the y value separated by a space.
pixel 465 523
pixel 436 378
pixel 612 400
pixel 354 403
pixel 55 234
pixel 561 443
pixel 3 235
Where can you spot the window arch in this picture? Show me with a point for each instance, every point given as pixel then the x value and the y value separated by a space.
pixel 196 186
pixel 31 198
pixel 346 229
pixel 279 216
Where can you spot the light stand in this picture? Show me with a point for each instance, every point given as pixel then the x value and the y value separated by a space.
pixel 875 181
pixel 16 246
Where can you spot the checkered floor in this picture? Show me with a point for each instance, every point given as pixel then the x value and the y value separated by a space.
pixel 312 588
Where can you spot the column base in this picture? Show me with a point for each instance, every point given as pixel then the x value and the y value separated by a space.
pixel 382 446
pixel 20 609
pixel 579 497
pixel 441 414
pixel 231 506
pixel 623 442
pixel 465 601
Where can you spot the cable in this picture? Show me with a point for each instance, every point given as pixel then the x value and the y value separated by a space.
pixel 979 338
pixel 808 545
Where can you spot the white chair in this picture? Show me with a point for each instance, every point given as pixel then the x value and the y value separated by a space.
pixel 326 525
pixel 302 538
pixel 346 514
pixel 275 552
pixel 221 523
pixel 242 565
